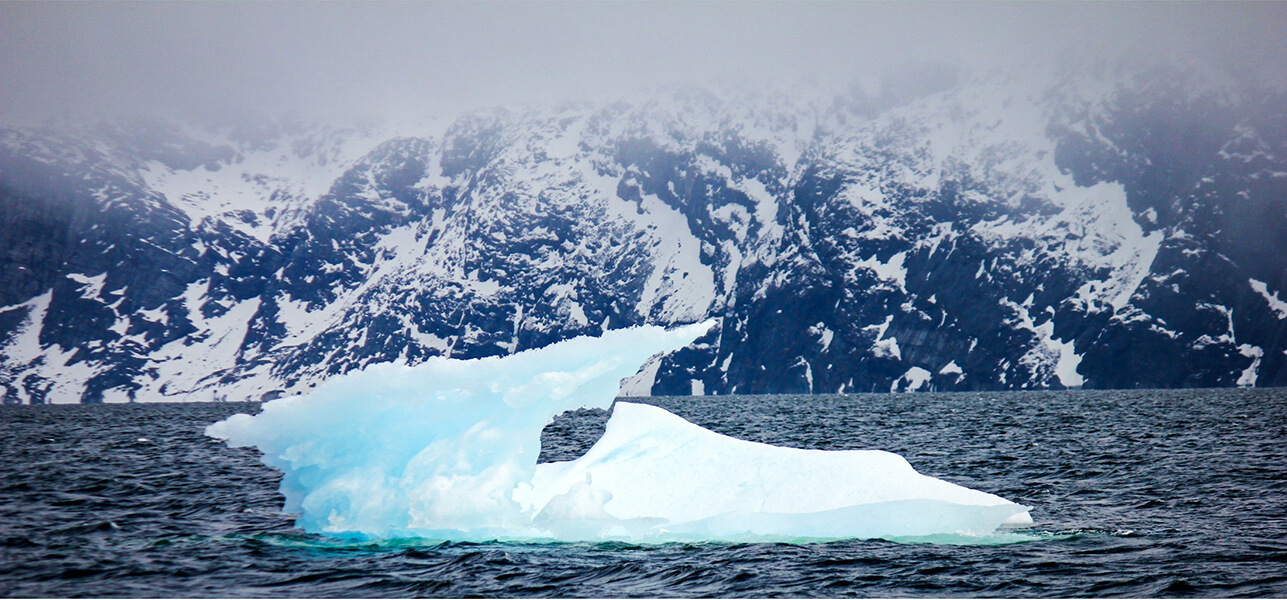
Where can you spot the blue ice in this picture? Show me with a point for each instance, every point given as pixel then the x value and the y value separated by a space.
pixel 447 450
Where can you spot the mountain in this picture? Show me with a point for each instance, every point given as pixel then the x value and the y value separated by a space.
pixel 1099 227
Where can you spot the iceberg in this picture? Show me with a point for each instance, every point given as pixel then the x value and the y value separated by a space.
pixel 447 450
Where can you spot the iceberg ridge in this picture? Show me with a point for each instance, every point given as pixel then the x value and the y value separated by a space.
pixel 447 450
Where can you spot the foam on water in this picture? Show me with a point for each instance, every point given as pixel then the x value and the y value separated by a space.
pixel 448 450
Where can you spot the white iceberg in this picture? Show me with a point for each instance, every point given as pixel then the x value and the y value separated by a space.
pixel 447 450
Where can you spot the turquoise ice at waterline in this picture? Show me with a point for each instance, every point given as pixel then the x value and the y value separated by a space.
pixel 447 450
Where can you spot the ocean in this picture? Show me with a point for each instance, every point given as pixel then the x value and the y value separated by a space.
pixel 1157 493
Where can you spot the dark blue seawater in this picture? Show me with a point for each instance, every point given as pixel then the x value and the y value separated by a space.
pixel 1135 493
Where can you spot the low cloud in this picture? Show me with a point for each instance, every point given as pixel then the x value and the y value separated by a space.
pixel 374 59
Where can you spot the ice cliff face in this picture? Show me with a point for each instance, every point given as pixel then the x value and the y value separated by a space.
pixel 1110 229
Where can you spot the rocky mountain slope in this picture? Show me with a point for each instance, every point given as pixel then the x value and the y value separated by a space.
pixel 1103 228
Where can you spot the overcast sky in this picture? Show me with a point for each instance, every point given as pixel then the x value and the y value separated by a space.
pixel 443 57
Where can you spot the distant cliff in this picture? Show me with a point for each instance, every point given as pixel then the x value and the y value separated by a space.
pixel 953 232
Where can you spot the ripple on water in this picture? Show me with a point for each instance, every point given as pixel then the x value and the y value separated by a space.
pixel 1166 494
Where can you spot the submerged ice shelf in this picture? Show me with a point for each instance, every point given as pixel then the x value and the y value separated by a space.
pixel 448 449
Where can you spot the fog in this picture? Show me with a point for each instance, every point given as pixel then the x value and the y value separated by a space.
pixel 378 59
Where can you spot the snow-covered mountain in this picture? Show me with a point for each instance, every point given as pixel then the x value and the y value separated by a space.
pixel 1103 228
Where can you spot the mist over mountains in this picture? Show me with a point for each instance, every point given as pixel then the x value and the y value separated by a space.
pixel 948 229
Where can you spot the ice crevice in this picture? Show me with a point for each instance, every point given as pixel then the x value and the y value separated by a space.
pixel 447 450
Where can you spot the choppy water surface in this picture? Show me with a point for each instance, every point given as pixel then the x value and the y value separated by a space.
pixel 1136 493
